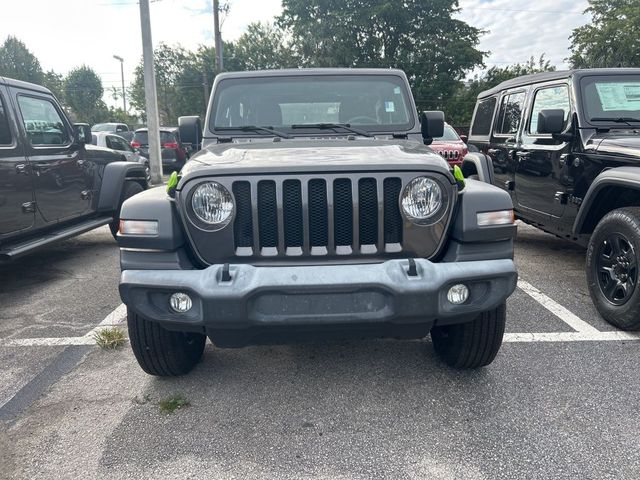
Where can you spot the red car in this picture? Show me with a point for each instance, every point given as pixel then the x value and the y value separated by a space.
pixel 450 146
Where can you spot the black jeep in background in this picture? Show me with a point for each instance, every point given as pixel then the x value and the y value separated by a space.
pixel 566 146
pixel 53 183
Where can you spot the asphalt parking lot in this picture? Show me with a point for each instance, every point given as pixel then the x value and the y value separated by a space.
pixel 560 400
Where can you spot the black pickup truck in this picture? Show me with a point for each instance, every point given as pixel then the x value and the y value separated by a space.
pixel 315 209
pixel 566 146
pixel 53 183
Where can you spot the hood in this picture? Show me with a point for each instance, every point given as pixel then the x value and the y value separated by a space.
pixel 304 155
pixel 619 143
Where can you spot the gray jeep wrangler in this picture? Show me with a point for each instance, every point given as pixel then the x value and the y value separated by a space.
pixel 315 210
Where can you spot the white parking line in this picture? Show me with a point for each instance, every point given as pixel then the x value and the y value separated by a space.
pixel 558 310
pixel 596 336
pixel 115 318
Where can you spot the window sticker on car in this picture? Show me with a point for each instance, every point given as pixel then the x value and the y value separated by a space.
pixel 396 90
pixel 389 107
pixel 619 96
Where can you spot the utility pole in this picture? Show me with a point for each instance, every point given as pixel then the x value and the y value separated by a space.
pixel 217 36
pixel 124 98
pixel 150 94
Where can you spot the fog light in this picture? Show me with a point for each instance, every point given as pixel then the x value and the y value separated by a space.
pixel 458 294
pixel 181 302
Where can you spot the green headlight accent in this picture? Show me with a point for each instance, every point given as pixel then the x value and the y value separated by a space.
pixel 458 175
pixel 172 183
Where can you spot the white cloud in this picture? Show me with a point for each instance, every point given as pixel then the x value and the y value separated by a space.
pixel 518 29
pixel 69 33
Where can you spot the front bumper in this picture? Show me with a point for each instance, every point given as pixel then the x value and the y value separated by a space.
pixel 382 293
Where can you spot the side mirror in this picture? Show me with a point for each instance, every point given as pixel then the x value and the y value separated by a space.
pixel 551 121
pixel 432 125
pixel 464 138
pixel 82 133
pixel 191 131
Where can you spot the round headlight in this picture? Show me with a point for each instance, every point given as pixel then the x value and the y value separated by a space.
pixel 421 199
pixel 212 204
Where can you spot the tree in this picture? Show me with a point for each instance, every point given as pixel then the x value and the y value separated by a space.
pixel 16 61
pixel 460 107
pixel 178 76
pixel 612 39
pixel 262 46
pixel 422 38
pixel 55 82
pixel 83 92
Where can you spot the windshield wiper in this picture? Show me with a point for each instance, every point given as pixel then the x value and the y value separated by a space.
pixel 333 126
pixel 617 120
pixel 255 128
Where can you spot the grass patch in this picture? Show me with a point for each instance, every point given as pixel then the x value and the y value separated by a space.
pixel 171 404
pixel 109 338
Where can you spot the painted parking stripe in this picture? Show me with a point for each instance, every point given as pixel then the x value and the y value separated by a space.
pixel 596 336
pixel 114 318
pixel 558 310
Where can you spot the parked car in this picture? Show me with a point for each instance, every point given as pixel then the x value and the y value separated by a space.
pixel 450 146
pixel 54 183
pixel 315 209
pixel 120 145
pixel 121 129
pixel 566 147
pixel 174 152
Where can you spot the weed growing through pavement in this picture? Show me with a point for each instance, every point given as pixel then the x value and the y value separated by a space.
pixel 109 338
pixel 171 404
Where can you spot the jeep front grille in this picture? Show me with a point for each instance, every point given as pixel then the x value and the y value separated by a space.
pixel 334 216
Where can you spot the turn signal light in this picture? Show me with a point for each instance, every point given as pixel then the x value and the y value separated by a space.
pixel 138 227
pixel 501 217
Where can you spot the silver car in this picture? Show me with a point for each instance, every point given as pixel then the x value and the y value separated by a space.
pixel 119 144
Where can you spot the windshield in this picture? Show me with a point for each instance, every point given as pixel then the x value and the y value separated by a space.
pixel 450 135
pixel 371 102
pixel 611 97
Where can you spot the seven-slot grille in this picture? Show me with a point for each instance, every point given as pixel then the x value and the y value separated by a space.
pixel 317 216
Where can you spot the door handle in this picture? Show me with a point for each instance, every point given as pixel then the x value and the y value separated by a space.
pixel 493 151
pixel 523 156
pixel 80 162
pixel 22 168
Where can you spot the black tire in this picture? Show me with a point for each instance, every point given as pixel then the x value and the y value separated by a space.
pixel 472 344
pixel 162 352
pixel 615 293
pixel 129 190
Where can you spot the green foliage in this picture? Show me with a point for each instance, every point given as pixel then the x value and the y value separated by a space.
pixel 422 38
pixel 55 82
pixel 262 47
pixel 179 81
pixel 83 93
pixel 109 338
pixel 171 404
pixel 16 61
pixel 459 108
pixel 612 39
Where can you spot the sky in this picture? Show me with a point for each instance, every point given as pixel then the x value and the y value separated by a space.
pixel 65 34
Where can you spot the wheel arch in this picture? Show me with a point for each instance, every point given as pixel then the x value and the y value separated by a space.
pixel 113 179
pixel 612 189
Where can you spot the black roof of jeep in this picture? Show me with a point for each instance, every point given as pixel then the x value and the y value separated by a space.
pixel 549 76
pixel 20 84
